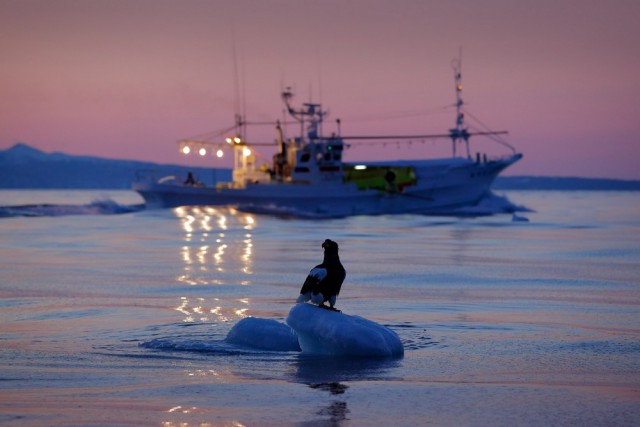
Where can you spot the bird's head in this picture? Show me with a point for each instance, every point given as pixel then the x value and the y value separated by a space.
pixel 330 246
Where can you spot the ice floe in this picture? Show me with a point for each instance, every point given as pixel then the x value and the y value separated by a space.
pixel 326 332
pixel 317 332
pixel 263 334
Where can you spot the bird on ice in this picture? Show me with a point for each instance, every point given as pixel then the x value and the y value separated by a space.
pixel 324 280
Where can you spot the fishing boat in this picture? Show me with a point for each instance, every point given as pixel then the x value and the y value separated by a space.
pixel 307 175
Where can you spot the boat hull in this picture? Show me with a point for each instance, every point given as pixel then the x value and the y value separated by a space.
pixel 440 187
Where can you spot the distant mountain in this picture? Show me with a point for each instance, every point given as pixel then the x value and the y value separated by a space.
pixel 22 166
pixel 22 153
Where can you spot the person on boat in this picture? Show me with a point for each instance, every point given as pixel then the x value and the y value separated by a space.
pixel 390 181
pixel 190 179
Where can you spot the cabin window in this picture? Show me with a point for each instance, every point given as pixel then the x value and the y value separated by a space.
pixel 301 169
pixel 337 156
pixel 327 156
pixel 305 157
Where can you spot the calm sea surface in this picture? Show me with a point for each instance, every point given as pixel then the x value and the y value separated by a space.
pixel 120 319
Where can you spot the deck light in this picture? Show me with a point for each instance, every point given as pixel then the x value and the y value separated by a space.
pixel 219 153
pixel 202 151
pixel 360 167
pixel 186 149
pixel 246 151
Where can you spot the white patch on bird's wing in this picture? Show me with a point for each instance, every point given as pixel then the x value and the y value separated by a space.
pixel 304 297
pixel 318 273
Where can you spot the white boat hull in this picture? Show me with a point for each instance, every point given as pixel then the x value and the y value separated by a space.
pixel 441 185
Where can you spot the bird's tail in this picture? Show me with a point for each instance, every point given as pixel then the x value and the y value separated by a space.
pixel 317 298
pixel 304 297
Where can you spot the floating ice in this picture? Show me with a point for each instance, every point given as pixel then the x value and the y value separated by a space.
pixel 263 334
pixel 317 331
pixel 97 207
pixel 519 218
pixel 490 204
pixel 325 332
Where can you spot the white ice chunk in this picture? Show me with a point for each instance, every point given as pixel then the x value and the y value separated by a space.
pixel 519 218
pixel 263 334
pixel 325 332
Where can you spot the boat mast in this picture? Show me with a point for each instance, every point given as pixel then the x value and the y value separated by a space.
pixel 311 113
pixel 460 132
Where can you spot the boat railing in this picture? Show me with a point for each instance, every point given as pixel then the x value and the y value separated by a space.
pixel 177 176
pixel 504 157
pixel 146 175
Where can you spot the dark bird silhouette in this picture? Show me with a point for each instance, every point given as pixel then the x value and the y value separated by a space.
pixel 325 280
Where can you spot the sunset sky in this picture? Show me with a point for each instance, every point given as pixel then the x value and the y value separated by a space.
pixel 126 79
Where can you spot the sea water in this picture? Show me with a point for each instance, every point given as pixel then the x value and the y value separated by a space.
pixel 120 315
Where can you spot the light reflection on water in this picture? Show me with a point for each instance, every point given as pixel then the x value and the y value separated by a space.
pixel 189 410
pixel 211 247
pixel 211 310
pixel 217 241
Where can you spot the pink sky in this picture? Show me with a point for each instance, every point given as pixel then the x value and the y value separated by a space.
pixel 126 79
